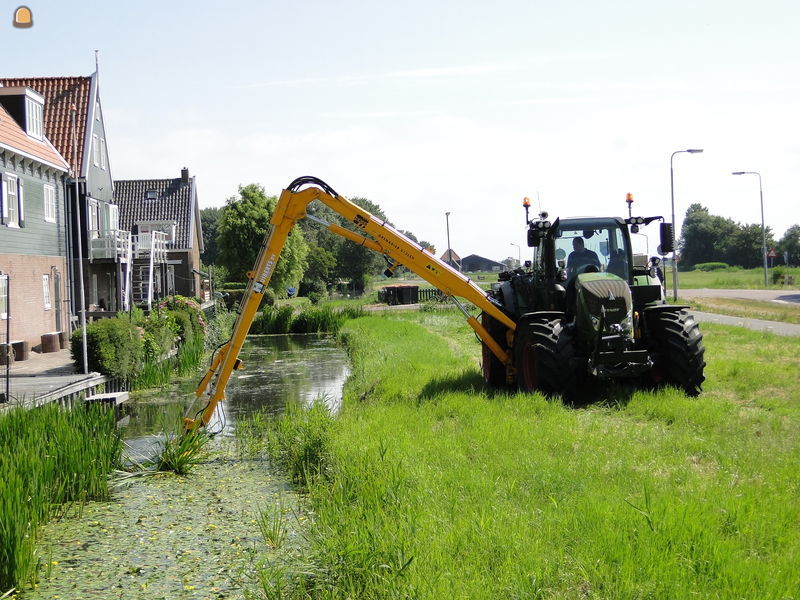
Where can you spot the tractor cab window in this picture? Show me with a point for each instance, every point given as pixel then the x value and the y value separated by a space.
pixel 592 250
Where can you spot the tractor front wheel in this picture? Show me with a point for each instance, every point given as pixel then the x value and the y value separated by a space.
pixel 542 355
pixel 679 349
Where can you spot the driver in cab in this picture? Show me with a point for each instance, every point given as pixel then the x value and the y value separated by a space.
pixel 580 257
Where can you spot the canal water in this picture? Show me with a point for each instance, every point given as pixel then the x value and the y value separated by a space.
pixel 197 536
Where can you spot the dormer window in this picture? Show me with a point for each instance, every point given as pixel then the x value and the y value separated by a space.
pixel 151 195
pixel 34 119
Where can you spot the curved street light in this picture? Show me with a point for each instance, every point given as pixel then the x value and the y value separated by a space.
pixel 519 254
pixel 672 195
pixel 763 228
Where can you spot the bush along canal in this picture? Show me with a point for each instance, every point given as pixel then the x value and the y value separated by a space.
pixel 211 533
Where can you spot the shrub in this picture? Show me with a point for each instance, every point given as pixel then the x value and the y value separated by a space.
pixel 160 330
pixel 115 347
pixel 183 324
pixel 711 266
pixel 189 306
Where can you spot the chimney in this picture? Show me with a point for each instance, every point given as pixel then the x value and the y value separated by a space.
pixel 184 175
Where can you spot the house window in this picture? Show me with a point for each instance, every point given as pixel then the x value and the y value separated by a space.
pixel 49 203
pixel 11 200
pixel 3 296
pixel 96 150
pixel 46 292
pixel 33 119
pixel 94 219
pixel 102 153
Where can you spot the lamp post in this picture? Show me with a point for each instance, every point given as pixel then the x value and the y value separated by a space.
pixel 763 228
pixel 519 254
pixel 672 195
pixel 449 253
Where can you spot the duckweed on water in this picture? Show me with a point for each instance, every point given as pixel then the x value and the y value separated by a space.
pixel 169 537
pixel 51 459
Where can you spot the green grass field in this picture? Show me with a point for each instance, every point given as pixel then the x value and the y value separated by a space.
pixel 435 488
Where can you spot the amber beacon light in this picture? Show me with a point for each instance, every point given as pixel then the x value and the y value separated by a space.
pixel 23 17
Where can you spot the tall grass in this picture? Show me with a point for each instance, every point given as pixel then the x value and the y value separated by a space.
pixel 313 319
pixel 436 488
pixel 50 459
pixel 156 373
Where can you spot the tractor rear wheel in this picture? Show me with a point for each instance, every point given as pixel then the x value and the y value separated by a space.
pixel 542 358
pixel 679 347
pixel 494 371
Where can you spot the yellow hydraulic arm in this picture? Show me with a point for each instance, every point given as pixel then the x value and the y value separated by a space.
pixel 383 238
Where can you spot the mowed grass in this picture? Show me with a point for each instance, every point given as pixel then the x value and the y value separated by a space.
pixel 751 309
pixel 732 278
pixel 434 488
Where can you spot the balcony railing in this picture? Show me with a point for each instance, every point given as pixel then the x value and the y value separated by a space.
pixel 113 244
pixel 146 243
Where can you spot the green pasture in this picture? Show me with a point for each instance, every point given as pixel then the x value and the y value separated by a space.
pixel 427 485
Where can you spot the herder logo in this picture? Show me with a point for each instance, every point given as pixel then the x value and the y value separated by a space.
pixel 611 297
pixel 360 221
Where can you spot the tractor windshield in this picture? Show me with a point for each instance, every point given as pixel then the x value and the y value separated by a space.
pixel 589 246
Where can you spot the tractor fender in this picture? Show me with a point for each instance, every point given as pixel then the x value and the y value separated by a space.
pixel 541 315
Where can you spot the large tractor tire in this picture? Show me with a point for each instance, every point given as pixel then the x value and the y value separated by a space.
pixel 542 354
pixel 494 371
pixel 679 347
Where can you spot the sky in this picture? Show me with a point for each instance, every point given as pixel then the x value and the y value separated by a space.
pixel 443 106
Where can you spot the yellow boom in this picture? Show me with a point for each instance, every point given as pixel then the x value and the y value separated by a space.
pixel 383 238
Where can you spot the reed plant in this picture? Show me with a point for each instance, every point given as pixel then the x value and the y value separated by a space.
pixel 272 524
pixel 317 320
pixel 51 459
pixel 180 452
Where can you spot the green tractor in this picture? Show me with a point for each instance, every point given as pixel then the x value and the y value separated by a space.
pixel 587 308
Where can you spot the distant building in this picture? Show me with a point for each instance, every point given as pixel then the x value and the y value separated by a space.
pixel 473 263
pixel 452 259
pixel 166 210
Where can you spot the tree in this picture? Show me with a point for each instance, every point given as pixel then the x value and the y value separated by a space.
pixel 320 272
pixel 241 230
pixel 209 220
pixel 704 236
pixel 354 262
pixel 790 242
pixel 745 248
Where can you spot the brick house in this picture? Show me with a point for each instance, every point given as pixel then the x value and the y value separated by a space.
pixel 33 223
pixel 168 208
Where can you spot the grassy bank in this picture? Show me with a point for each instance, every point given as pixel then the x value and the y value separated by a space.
pixel 431 488
pixel 750 309
pixel 51 459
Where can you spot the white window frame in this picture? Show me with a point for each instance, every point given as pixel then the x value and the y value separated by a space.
pixel 34 117
pixel 94 219
pixel 49 203
pixel 96 150
pixel 11 205
pixel 103 153
pixel 48 302
pixel 3 296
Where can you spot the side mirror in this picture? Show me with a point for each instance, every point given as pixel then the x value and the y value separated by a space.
pixel 667 238
pixel 533 238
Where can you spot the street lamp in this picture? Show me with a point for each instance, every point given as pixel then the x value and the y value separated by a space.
pixel 763 229
pixel 519 254
pixel 449 252
pixel 672 195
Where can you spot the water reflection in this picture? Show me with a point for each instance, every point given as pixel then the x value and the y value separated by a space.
pixel 277 369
